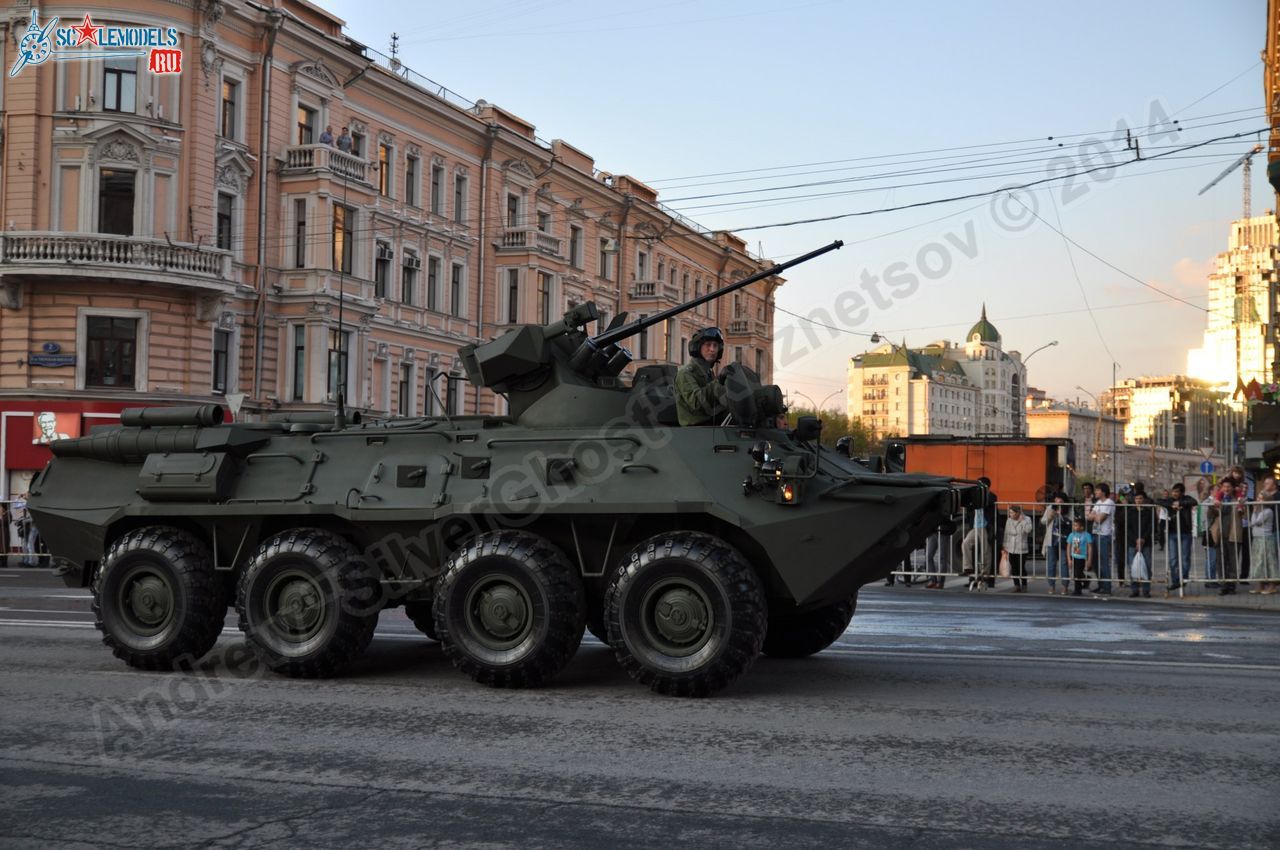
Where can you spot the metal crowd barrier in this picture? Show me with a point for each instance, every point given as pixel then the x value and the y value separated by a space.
pixel 1214 546
pixel 20 545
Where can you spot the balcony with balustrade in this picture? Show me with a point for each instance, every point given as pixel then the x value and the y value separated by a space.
pixel 529 238
pixel 106 255
pixel 655 291
pixel 748 328
pixel 325 159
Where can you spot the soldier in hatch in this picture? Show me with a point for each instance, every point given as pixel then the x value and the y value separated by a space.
pixel 700 397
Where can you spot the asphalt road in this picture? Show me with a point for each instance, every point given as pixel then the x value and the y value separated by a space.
pixel 939 720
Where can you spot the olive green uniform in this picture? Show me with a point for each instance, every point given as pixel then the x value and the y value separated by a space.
pixel 698 394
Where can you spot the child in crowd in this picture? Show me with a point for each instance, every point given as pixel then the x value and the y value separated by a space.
pixel 1080 550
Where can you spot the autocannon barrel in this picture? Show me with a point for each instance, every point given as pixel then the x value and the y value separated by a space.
pixel 127 445
pixel 204 415
pixel 618 334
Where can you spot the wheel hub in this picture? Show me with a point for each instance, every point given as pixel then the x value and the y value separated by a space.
pixel 294 607
pixel 677 618
pixel 150 601
pixel 499 613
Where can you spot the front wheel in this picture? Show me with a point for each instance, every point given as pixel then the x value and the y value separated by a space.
pixel 801 635
pixel 686 615
pixel 308 603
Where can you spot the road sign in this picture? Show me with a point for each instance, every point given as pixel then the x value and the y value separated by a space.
pixel 234 400
pixel 1207 451
pixel 1207 467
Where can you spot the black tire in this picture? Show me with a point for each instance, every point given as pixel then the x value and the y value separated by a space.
pixel 424 619
pixel 510 609
pixel 717 614
pixel 157 600
pixel 801 635
pixel 308 603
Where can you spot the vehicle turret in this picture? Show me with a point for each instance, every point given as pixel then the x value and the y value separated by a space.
pixel 557 374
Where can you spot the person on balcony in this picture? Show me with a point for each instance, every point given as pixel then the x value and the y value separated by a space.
pixel 326 138
pixel 344 140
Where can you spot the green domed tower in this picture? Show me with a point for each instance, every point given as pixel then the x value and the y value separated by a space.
pixel 983 331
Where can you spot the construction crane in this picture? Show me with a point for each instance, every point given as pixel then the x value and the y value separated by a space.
pixel 1247 162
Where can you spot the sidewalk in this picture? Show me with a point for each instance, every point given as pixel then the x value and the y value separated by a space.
pixel 1192 594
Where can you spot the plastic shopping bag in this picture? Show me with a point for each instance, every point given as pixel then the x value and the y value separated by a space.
pixel 1005 570
pixel 1138 569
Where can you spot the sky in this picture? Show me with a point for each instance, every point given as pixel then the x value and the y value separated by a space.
pixel 749 114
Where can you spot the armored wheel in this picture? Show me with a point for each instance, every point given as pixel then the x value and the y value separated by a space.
pixel 686 614
pixel 509 609
pixel 308 603
pixel 424 620
pixel 800 635
pixel 156 599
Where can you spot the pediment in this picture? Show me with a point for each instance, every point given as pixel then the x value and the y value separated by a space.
pixel 316 70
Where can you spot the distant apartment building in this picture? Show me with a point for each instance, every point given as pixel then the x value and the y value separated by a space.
pixel 1173 412
pixel 974 387
pixel 289 219
pixel 1236 347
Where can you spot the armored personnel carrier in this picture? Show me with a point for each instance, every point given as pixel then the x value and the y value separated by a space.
pixel 689 550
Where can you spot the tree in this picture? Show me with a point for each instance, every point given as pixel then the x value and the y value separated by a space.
pixel 836 425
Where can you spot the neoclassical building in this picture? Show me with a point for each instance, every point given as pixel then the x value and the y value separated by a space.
pixel 973 387
pixel 180 237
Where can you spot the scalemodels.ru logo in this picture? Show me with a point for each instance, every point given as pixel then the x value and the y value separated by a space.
pixel 39 44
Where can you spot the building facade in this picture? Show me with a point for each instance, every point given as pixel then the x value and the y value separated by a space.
pixel 974 387
pixel 1238 346
pixel 1173 412
pixel 287 218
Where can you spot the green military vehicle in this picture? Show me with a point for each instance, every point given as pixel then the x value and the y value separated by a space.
pixel 688 550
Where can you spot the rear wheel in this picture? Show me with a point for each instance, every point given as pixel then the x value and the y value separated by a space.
pixel 157 600
pixel 686 615
pixel 307 603
pixel 510 609
pixel 800 635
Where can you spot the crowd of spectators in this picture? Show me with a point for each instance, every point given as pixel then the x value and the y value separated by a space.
pixel 1134 538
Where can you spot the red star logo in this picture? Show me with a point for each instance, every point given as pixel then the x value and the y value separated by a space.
pixel 87 31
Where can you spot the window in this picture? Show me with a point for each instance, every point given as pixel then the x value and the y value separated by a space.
pixel 404 405
pixel 430 400
pixel 642 265
pixel 662 268
pixel 437 189
pixel 459 199
pixel 433 283
pixel 120 84
pixel 411 180
pixel 671 340
pixel 111 351
pixel 544 221
pixel 760 363
pixel 306 125
pixel 384 170
pixel 409 276
pixel 300 233
pixel 513 295
pixel 606 259
pixel 575 246
pixel 115 201
pixel 299 361
pixel 226 204
pixel 230 98
pixel 684 349
pixel 339 358
pixel 457 395
pixel 513 210
pixel 343 244
pixel 383 256
pixel 544 298
pixel 456 293
pixel 737 354
pixel 221 353
pixel 357 144
pixel 644 340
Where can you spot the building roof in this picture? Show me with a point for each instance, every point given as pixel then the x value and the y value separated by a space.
pixel 928 361
pixel 984 329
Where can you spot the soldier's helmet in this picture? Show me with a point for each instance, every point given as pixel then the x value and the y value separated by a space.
pixel 706 335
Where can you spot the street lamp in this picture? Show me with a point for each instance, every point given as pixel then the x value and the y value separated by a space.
pixel 1041 348
pixel 1097 428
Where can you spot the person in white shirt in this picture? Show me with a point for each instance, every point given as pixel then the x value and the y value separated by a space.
pixel 1103 517
pixel 1017 535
